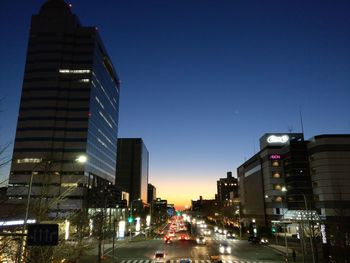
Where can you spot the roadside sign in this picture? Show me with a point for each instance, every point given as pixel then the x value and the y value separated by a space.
pixel 42 235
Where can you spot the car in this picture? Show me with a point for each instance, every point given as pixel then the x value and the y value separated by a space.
pixel 184 237
pixel 167 239
pixel 264 240
pixel 224 249
pixel 258 239
pixel 159 257
pixel 230 235
pixel 206 232
pixel 185 260
pixel 201 240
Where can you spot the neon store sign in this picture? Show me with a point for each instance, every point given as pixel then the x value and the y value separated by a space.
pixel 275 157
pixel 278 139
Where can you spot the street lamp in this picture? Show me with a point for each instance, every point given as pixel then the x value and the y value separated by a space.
pixel 284 189
pixel 80 159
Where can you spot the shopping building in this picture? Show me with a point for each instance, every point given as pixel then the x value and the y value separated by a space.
pixel 262 178
pixel 69 108
pixel 295 185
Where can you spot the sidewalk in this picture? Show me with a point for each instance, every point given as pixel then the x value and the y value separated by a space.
pixel 282 250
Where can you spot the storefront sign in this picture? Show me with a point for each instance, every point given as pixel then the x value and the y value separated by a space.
pixel 278 139
pixel 275 157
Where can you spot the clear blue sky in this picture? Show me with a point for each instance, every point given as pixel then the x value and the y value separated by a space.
pixel 203 80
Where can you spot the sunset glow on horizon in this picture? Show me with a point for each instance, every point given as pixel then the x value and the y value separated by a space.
pixel 179 188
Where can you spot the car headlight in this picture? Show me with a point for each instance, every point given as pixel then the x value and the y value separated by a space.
pixel 197 240
pixel 222 249
pixel 228 249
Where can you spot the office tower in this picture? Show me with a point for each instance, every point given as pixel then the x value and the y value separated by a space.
pixel 69 107
pixel 132 167
pixel 151 193
pixel 227 188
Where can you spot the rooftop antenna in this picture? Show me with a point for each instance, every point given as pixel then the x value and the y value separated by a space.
pixel 301 121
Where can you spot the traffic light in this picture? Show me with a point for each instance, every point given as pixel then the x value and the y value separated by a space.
pixel 130 219
pixel 178 213
pixel 273 230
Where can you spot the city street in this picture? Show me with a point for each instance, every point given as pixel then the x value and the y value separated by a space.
pixel 143 251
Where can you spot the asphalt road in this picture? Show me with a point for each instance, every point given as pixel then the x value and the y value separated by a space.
pixel 241 251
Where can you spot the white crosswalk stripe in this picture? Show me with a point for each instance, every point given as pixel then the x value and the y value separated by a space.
pixel 193 260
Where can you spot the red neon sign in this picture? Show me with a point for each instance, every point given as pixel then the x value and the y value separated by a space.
pixel 275 157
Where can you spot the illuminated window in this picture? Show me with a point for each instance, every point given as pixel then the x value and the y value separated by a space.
pixel 278 199
pixel 74 71
pixel 100 141
pixel 29 160
pixel 276 175
pixel 83 80
pixel 110 125
pixel 69 184
pixel 99 102
pixel 275 163
pixel 277 187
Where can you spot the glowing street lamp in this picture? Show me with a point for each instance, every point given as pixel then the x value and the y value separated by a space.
pixel 81 159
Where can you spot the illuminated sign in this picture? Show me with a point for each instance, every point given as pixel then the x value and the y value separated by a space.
pixel 121 229
pixel 138 224
pixel 278 139
pixel 323 233
pixel 275 157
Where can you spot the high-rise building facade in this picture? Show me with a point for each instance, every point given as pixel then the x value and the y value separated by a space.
pixel 69 107
pixel 291 182
pixel 132 167
pixel 262 177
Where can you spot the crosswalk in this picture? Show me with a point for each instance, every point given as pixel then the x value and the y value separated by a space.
pixel 192 261
pixel 207 238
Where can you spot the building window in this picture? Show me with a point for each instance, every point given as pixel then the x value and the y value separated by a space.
pixel 275 163
pixel 278 199
pixel 29 160
pixel 277 187
pixel 276 175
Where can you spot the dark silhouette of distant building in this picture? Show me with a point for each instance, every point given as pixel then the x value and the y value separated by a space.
pixel 151 193
pixel 227 188
pixel 132 167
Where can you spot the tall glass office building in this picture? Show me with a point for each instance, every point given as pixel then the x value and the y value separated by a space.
pixel 69 107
